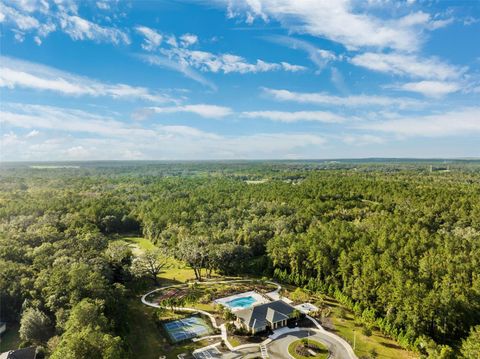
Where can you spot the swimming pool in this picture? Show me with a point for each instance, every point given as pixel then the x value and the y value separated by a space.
pixel 241 302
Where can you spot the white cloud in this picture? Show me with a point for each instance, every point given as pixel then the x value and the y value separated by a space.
pixel 187 131
pixel 179 57
pixel 434 89
pixel 337 21
pixel 19 35
pixel 273 145
pixel 362 140
pixel 183 68
pixel 18 73
pixel 103 5
pixel 322 98
pixel 32 133
pixel 42 17
pixel 319 57
pixel 81 29
pixel 30 6
pixel 337 80
pixel 226 63
pixel 20 20
pixel 408 65
pixel 203 110
pixel 172 41
pixel 470 20
pixel 71 120
pixel 283 116
pixel 188 39
pixel 152 38
pixel 292 68
pixel 459 122
pixel 107 138
pixel 9 139
pixel 78 153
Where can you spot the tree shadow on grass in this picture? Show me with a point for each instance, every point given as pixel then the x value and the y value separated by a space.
pixel 164 282
pixel 391 345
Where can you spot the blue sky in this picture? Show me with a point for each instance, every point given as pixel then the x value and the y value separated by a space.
pixel 233 79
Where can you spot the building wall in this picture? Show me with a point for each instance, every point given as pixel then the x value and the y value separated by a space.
pixel 258 330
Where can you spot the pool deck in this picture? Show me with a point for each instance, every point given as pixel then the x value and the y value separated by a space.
pixel 259 299
pixel 275 295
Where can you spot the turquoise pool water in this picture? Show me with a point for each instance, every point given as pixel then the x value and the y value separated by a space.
pixel 242 302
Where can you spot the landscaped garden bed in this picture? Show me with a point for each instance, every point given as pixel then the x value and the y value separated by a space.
pixel 205 293
pixel 308 349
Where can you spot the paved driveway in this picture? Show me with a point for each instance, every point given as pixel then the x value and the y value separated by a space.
pixel 243 353
pixel 279 347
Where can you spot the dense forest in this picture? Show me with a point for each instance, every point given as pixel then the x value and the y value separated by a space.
pixel 397 242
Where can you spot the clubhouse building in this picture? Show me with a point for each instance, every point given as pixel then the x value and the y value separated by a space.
pixel 266 316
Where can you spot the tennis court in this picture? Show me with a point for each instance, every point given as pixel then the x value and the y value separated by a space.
pixel 187 328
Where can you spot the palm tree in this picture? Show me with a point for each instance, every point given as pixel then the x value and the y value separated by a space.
pixel 296 314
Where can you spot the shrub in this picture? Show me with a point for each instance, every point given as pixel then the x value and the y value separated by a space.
pixel 230 327
pixel 228 315
pixel 367 331
pixel 241 331
pixel 299 295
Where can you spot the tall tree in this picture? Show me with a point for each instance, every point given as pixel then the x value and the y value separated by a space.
pixel 87 334
pixel 35 326
pixel 150 263
pixel 471 345
pixel 194 250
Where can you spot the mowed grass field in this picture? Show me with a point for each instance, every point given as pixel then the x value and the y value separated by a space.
pixel 174 272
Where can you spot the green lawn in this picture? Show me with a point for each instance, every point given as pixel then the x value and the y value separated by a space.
pixel 139 243
pixel 208 307
pixel 175 271
pixel 347 328
pixel 173 274
pixel 321 350
pixel 10 339
pixel 233 341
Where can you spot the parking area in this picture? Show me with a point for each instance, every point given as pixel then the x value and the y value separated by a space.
pixel 306 308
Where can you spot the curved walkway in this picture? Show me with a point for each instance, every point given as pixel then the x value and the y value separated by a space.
pixel 333 341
